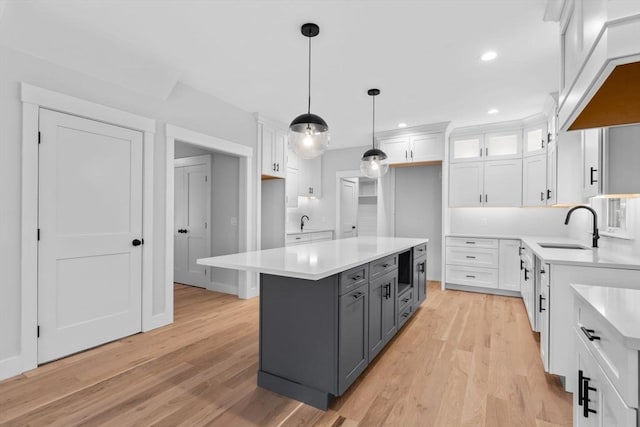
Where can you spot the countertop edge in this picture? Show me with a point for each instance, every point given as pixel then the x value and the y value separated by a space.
pixel 632 343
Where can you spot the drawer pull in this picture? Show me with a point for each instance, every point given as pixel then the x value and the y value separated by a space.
pixel 521 264
pixel 405 300
pixel 405 315
pixel 472 277
pixel 470 243
pixel 358 295
pixel 421 250
pixel 471 257
pixel 298 238
pixel 385 265
pixel 356 278
pixel 526 274
pixel 589 333
pixel 540 303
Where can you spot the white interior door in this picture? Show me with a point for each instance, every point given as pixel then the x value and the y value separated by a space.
pixel 192 235
pixel 348 208
pixel 90 226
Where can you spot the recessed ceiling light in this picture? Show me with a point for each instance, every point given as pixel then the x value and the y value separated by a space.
pixel 489 56
pixel 493 111
pixel 402 125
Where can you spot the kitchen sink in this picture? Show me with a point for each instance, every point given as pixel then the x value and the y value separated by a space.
pixel 562 246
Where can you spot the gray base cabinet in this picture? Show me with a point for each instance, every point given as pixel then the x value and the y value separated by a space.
pixel 318 336
pixel 383 322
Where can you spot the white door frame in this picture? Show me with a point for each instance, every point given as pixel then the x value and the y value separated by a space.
pixel 247 282
pixel 33 98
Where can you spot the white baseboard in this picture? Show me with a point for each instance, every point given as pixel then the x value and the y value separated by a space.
pixel 223 287
pixel 9 367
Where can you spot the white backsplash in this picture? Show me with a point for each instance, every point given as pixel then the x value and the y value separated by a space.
pixel 306 206
pixel 509 221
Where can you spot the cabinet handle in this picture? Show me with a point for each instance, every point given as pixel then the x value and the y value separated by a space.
pixel 470 243
pixel 405 300
pixel 405 315
pixel 486 152
pixel 298 238
pixel 405 155
pixel 542 196
pixel 421 267
pixel 358 295
pixel 585 398
pixel 470 276
pixel 471 257
pixel 589 333
pixel 548 194
pixel 385 265
pixel 542 145
pixel 420 250
pixel 486 198
pixel 520 252
pixel 411 154
pixel 358 277
pixel 540 304
pixel 481 198
pixel 526 274
pixel 581 379
pixel 593 181
pixel 521 265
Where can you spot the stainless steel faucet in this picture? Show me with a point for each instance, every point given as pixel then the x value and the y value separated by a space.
pixel 302 221
pixel 596 235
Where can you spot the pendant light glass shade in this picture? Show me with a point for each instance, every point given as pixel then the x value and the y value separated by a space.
pixel 374 163
pixel 309 133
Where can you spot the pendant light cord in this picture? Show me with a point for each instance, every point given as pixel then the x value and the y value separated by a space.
pixel 309 105
pixel 373 133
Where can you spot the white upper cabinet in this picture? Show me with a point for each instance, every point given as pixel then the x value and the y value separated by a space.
pixel 291 188
pixel 552 175
pixel 466 187
pixel 466 148
pixel 273 143
pixel 426 147
pixel 503 183
pixel 534 175
pixel 591 162
pixel 503 145
pixel 292 158
pixel 396 149
pixel 535 140
pixel 415 144
pixel 310 178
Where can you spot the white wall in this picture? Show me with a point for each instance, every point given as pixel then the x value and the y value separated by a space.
pixel 509 221
pixel 185 107
pixel 418 210
pixel 273 212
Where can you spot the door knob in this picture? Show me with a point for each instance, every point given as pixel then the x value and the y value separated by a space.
pixel 353 227
pixel 137 242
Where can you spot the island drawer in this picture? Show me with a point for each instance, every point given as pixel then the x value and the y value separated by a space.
pixel 404 315
pixel 619 363
pixel 351 279
pixel 420 250
pixel 381 266
pixel 404 299
pixel 470 242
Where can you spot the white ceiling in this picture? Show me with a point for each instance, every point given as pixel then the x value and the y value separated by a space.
pixel 423 55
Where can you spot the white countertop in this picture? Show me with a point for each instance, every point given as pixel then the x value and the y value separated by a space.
pixel 582 257
pixel 618 307
pixel 308 230
pixel 317 260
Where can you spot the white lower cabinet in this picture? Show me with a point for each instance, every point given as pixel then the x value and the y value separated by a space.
pixel 483 263
pixel 308 237
pixel 543 310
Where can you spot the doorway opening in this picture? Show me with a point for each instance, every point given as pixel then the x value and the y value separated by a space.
pixel 358 205
pixel 206 211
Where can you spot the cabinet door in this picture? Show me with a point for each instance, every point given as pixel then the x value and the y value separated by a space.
pixel 503 183
pixel 420 279
pixel 503 145
pixel 509 265
pixel 397 149
pixel 268 140
pixel 382 312
pixel 427 147
pixel 591 162
pixel 353 340
pixel 544 305
pixel 465 184
pixel 534 180
pixel 279 153
pixel 466 148
pixel 535 140
pixel 291 188
pixel 552 175
pixel 292 159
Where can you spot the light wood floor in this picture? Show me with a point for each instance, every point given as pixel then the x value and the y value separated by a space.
pixel 463 359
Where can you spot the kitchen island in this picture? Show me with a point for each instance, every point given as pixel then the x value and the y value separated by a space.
pixel 328 308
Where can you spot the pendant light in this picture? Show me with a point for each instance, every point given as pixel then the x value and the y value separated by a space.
pixel 374 161
pixel 309 133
